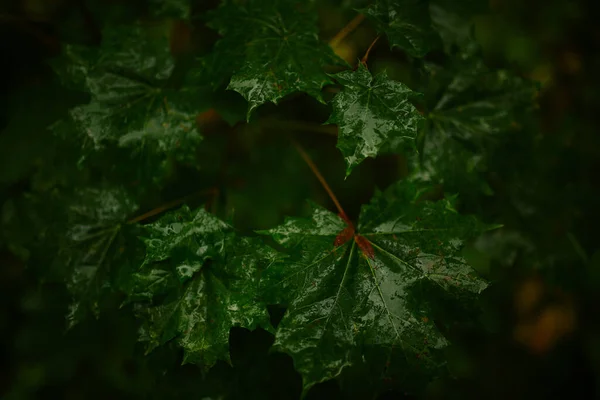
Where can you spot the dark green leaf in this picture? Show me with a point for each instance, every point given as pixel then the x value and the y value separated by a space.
pixel 370 112
pixel 130 105
pixel 472 109
pixel 75 237
pixel 271 47
pixel 91 245
pixel 446 160
pixel 479 102
pixel 190 299
pixel 406 24
pixel 366 295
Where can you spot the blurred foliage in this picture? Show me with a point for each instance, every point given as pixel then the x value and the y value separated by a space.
pixel 539 334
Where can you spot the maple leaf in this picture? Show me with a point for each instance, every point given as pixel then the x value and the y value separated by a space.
pixel 272 49
pixel 130 106
pixel 76 237
pixel 370 112
pixel 207 277
pixel 406 23
pixel 363 295
pixel 473 107
pixel 90 246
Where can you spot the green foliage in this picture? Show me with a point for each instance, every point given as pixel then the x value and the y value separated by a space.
pixel 350 294
pixel 153 183
pixel 469 108
pixel 269 50
pixel 370 112
pixel 130 106
pixel 204 300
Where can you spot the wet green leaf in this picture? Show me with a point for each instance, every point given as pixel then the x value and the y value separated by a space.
pixel 406 23
pixel 370 112
pixel 198 280
pixel 272 49
pixel 131 104
pixel 367 294
pixel 451 162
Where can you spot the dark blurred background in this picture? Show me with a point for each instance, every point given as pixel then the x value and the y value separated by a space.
pixel 539 335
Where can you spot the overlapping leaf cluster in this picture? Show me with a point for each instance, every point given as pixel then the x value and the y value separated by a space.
pixel 355 293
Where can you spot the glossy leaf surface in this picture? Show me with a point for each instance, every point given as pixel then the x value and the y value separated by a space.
pixel 406 23
pixel 198 280
pixel 272 48
pixel 364 296
pixel 370 112
pixel 130 106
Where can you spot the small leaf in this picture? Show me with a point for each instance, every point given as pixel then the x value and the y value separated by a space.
pixel 370 112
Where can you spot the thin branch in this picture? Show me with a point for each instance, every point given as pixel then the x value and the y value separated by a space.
pixel 167 206
pixel 321 179
pixel 346 30
pixel 366 56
